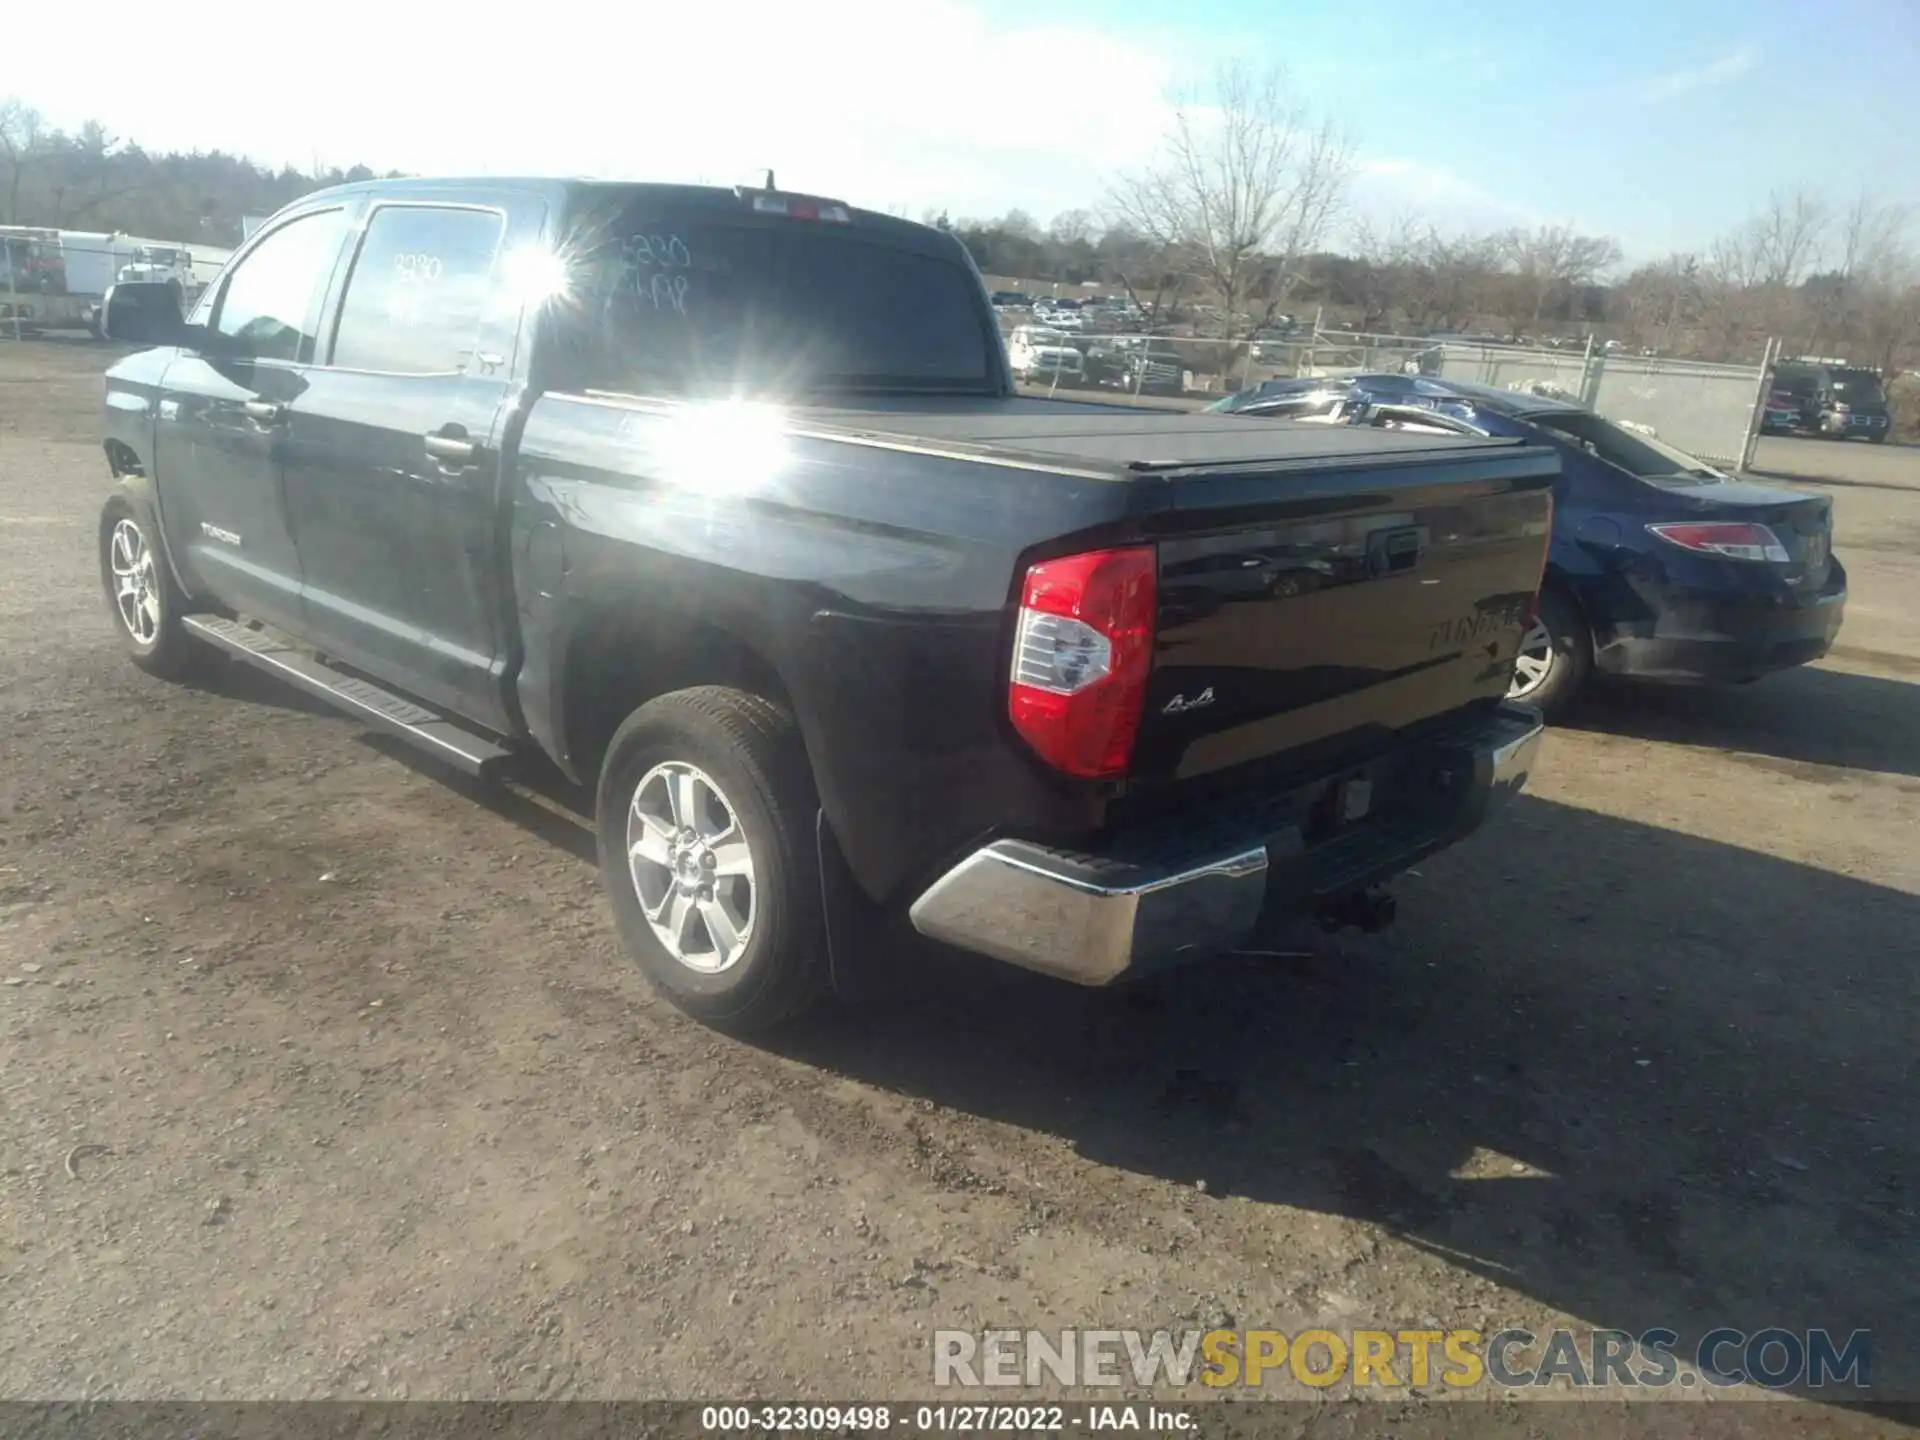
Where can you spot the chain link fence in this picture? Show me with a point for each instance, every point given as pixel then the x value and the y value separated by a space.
pixel 1708 410
pixel 55 279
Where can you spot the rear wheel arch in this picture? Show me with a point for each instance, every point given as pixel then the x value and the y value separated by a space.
pixel 1559 579
pixel 619 657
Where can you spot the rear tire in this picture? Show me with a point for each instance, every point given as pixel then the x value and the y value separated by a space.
pixel 147 607
pixel 706 819
pixel 1556 655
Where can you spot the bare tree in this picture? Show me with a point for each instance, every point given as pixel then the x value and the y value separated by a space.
pixel 1787 236
pixel 1776 247
pixel 1878 300
pixel 1824 279
pixel 1659 301
pixel 1072 227
pixel 1875 236
pixel 1247 183
pixel 85 182
pixel 1874 265
pixel 23 138
pixel 1387 255
pixel 1019 222
pixel 1552 259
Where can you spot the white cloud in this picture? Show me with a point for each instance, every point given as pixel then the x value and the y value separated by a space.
pixel 1672 84
pixel 883 104
pixel 1387 186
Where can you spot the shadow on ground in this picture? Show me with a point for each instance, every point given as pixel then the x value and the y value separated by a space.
pixel 1811 716
pixel 1649 1080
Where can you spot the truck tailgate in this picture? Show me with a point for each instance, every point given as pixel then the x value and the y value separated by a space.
pixel 1307 610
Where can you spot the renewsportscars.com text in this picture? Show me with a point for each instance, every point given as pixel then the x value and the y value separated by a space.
pixel 1772 1358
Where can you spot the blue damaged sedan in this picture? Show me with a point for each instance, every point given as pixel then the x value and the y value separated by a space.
pixel 1662 567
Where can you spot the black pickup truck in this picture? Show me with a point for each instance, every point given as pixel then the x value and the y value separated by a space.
pixel 724 501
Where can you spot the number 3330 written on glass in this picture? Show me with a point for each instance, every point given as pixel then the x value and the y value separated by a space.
pixel 416 267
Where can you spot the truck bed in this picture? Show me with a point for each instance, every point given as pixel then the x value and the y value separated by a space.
pixel 1122 440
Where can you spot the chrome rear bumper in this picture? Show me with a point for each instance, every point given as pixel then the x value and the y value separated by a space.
pixel 1094 919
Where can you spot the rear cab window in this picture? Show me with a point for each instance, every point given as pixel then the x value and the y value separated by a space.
pixel 717 299
pixel 1641 456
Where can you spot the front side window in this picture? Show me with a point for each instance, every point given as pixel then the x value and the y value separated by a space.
pixel 418 291
pixel 268 307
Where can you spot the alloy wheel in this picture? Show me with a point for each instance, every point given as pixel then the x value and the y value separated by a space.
pixel 1534 663
pixel 136 587
pixel 692 867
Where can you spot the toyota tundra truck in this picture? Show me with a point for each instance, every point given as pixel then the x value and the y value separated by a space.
pixel 723 501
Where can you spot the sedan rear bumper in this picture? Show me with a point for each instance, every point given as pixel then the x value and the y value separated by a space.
pixel 1726 643
pixel 1165 897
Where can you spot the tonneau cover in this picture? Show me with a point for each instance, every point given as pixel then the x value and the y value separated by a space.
pixel 1124 437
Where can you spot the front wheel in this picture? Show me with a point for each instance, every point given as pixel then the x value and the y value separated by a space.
pixel 146 605
pixel 706 815
pixel 1556 655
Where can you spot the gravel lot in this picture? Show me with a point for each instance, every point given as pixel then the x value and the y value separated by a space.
pixel 380 1110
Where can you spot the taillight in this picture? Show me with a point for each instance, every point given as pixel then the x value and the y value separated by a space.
pixel 1734 541
pixel 1081 657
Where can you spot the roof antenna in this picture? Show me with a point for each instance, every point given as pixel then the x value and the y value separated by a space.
pixel 769 185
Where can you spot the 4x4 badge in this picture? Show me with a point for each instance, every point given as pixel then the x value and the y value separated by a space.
pixel 1179 705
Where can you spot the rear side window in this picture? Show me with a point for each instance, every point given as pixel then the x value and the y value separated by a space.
pixel 697 306
pixel 268 307
pixel 418 291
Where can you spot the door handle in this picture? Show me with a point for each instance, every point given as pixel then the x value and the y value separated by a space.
pixel 450 449
pixel 264 412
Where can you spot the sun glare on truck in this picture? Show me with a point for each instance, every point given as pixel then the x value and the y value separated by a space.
pixel 535 275
pixel 722 447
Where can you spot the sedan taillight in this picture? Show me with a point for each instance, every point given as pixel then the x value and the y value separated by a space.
pixel 1735 541
pixel 1081 656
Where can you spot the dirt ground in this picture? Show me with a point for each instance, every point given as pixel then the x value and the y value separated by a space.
pixel 324 1075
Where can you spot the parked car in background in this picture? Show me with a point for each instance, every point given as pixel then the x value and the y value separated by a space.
pixel 1287 398
pixel 1038 355
pixel 1662 567
pixel 1136 364
pixel 160 265
pixel 1837 400
pixel 1011 300
pixel 1780 413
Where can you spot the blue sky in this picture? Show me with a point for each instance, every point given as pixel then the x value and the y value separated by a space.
pixel 1662 122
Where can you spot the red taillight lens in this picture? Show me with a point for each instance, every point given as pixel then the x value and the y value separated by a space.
pixel 1081 656
pixel 1733 541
